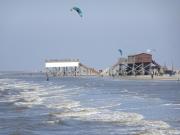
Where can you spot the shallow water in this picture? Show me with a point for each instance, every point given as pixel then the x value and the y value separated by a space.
pixel 87 105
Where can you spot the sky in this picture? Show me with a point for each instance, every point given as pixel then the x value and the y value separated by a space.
pixel 34 30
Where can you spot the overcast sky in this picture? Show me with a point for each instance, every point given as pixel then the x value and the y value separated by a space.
pixel 34 30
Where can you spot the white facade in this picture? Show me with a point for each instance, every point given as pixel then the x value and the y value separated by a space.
pixel 57 64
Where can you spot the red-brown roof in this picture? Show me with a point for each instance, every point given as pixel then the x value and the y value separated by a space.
pixel 140 54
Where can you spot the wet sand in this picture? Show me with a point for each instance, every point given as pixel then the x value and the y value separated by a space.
pixel 148 77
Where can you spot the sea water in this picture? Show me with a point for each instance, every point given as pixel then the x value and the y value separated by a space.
pixel 30 105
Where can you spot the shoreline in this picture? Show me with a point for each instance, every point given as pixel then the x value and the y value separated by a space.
pixel 148 77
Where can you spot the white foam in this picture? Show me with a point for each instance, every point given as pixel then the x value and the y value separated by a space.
pixel 29 103
pixel 28 94
pixel 78 113
pixel 28 99
pixel 144 127
pixel 159 132
pixel 52 122
pixel 67 105
pixel 155 124
pixel 109 106
pixel 120 117
pixel 92 114
pixel 125 91
pixel 171 104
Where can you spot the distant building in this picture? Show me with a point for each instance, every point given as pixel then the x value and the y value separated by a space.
pixel 137 64
pixel 68 67
pixel 62 63
pixel 140 58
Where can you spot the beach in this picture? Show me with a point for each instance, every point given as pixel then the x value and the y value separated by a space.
pixel 148 77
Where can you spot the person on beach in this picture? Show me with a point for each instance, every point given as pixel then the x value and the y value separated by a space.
pixel 152 75
pixel 47 77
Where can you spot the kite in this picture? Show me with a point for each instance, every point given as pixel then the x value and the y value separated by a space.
pixel 120 51
pixel 78 10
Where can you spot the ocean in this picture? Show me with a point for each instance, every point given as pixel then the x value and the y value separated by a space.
pixel 30 105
